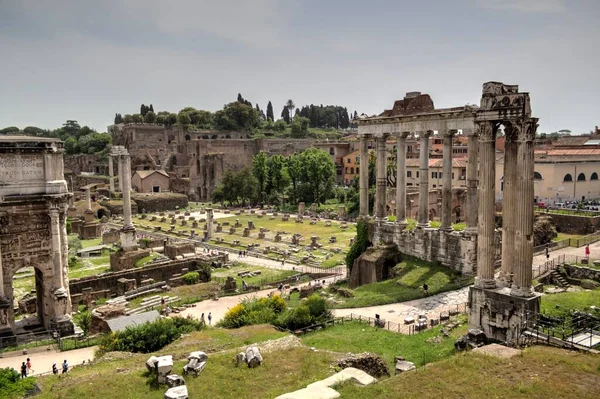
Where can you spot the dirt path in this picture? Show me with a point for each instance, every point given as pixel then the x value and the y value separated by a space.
pixel 42 361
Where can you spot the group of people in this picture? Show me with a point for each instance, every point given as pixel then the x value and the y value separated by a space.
pixel 242 254
pixel 27 370
pixel 209 319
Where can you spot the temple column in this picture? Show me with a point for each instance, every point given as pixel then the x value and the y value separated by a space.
pixel 126 177
pixel 447 182
pixel 1 277
pixel 120 165
pixel 88 199
pixel 487 203
pixel 401 178
pixel 508 208
pixel 111 174
pixel 364 176
pixel 472 161
pixel 523 221
pixel 423 220
pixel 57 265
pixel 380 195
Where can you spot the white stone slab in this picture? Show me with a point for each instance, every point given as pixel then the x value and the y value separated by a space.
pixel 179 392
pixel 350 373
pixel 315 392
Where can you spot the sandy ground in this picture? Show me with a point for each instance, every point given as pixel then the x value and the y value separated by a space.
pixel 42 362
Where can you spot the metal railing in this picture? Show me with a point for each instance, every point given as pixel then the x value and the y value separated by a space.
pixel 27 341
pixel 549 265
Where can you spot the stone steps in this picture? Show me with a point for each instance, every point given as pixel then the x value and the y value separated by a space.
pixel 556 276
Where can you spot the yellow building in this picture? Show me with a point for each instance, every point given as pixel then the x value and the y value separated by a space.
pixel 459 172
pixel 350 166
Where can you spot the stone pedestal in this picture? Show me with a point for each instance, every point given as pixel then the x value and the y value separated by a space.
pixel 128 239
pixel 500 315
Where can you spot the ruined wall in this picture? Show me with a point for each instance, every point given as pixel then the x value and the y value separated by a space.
pixel 87 163
pixel 572 224
pixel 159 202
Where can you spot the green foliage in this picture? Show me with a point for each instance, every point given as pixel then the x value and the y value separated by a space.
pixel 12 386
pixel 561 304
pixel 74 243
pixel 149 337
pixel 326 117
pixel 280 126
pixel 85 321
pixel 237 116
pixel 237 188
pixel 13 129
pixel 191 278
pixel 360 245
pixel 270 116
pixel 150 117
pixel 543 230
pixel 253 311
pixel 300 127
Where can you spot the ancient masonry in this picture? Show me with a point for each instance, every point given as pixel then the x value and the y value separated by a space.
pixel 128 238
pixel 500 307
pixel 33 204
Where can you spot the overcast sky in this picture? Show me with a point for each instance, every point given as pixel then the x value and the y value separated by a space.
pixel 87 60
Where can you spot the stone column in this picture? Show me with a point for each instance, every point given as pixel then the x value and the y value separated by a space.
pixel 364 176
pixel 1 277
pixel 472 164
pixel 111 174
pixel 508 208
pixel 57 266
pixel 88 199
pixel 120 165
pixel 380 195
pixel 424 181
pixel 487 204
pixel 523 218
pixel 126 178
pixel 447 182
pixel 401 178
pixel 209 223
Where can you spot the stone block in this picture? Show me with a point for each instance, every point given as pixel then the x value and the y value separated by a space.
pixel 403 366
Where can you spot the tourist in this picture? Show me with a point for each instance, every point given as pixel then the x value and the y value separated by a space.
pixel 425 288
pixel 240 254
pixel 587 251
pixel 167 311
pixel 54 368
pixel 23 370
pixel 29 369
pixel 547 251
pixel 209 319
pixel 65 367
pixel 283 262
pixel 202 319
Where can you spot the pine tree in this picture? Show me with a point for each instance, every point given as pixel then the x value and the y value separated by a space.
pixel 143 110
pixel 285 114
pixel 270 116
pixel 151 108
pixel 240 98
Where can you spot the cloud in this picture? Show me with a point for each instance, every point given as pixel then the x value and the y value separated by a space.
pixel 525 6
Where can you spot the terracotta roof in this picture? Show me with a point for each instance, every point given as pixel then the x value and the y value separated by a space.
pixel 571 141
pixel 145 173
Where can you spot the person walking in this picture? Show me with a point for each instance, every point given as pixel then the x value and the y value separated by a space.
pixel 23 370
pixel 209 319
pixel 29 369
pixel 202 319
pixel 426 289
pixel 54 369
pixel 65 367
pixel 547 251
pixel 587 251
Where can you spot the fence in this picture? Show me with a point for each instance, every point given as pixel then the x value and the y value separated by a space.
pixel 575 331
pixel 548 266
pixel 552 246
pixel 26 341
pixel 580 242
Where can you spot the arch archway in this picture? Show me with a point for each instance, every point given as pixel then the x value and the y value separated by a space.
pixel 581 177
pixel 568 177
pixel 537 175
pixel 594 176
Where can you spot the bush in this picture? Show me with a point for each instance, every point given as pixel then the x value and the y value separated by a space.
pixel 313 311
pixel 543 230
pixel 191 278
pixel 254 311
pixel 12 386
pixel 360 244
pixel 85 321
pixel 149 337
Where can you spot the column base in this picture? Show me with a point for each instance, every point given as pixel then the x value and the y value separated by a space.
pixel 484 283
pixel 423 225
pixel 128 238
pixel 505 280
pixel 446 228
pixel 521 292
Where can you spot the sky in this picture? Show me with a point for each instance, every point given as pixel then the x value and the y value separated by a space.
pixel 87 60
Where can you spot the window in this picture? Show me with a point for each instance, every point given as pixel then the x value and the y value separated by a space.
pixel 567 177
pixel 417 174
pixel 347 170
pixel 409 184
pixel 434 186
pixel 440 174
pixel 434 175
pixel 537 176
pixel 187 137
pixel 331 151
pixel 357 160
pixel 351 171
pixel 581 177
pixel 594 176
pixel 156 189
pixel 452 175
pixel 408 173
pixel 357 169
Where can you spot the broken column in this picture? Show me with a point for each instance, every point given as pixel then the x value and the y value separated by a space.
pixel 111 174
pixel 364 176
pixel 209 223
pixel 128 238
pixel 424 180
pixel 508 207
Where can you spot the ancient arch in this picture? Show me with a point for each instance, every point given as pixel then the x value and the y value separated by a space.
pixel 594 176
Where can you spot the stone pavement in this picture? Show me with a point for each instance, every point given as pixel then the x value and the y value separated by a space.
pixel 539 260
pixel 396 312
pixel 41 362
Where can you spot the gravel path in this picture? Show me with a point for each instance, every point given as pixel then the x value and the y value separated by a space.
pixel 41 362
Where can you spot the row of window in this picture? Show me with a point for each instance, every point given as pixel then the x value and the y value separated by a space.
pixel 580 177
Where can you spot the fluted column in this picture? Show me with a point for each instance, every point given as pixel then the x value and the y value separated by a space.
pixel 88 199
pixel 508 208
pixel 126 177
pixel 487 202
pixel 401 178
pixel 57 266
pixel 364 176
pixel 120 166
pixel 380 194
pixel 111 174
pixel 424 181
pixel 1 277
pixel 523 258
pixel 472 175
pixel 447 182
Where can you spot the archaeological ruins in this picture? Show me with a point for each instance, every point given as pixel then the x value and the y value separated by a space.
pixel 500 306
pixel 33 205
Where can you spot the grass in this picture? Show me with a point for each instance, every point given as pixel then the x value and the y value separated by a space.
pixel 572 212
pixel 564 236
pixel 540 372
pixel 91 243
pixel 123 375
pixel 358 337
pixel 145 259
pixel 408 285
pixel 561 303
pixel 186 293
pixel 266 274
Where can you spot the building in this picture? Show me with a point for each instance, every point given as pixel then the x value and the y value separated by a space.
pixel 150 181
pixel 459 172
pixel 350 166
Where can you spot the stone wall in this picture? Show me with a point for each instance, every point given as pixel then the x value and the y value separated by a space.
pixel 126 260
pixel 582 273
pixel 110 281
pixel 572 224
pixel 159 202
pixel 115 207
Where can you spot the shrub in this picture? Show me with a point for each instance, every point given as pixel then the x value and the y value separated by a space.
pixel 360 244
pixel 191 278
pixel 12 386
pixel 85 321
pixel 313 311
pixel 254 311
pixel 149 337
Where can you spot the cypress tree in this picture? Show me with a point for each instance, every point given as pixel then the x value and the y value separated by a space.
pixel 270 116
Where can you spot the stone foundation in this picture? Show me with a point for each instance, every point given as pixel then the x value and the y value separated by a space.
pixel 500 315
pixel 374 265
pixel 126 260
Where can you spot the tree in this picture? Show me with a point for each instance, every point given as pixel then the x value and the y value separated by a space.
pixel 183 118
pixel 150 117
pixel 71 127
pixel 118 119
pixel 260 170
pixel 71 146
pixel 237 116
pixel 294 169
pixel 270 116
pixel 137 118
pixel 290 106
pixel 318 174
pixel 12 130
pixel 151 108
pixel 127 118
pixel 300 127
pixel 143 110
pixel 238 187
pixel 285 114
pixel 280 126
pixel 171 119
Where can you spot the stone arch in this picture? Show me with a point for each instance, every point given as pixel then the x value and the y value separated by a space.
pixel 568 177
pixel 594 176
pixel 214 137
pixel 102 212
pixel 581 177
pixel 205 137
pixel 187 137
pixel 537 175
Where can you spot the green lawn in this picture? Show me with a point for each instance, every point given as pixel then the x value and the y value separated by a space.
pixel 146 259
pixel 266 274
pixel 359 337
pixel 407 286
pixel 91 243
pixel 564 236
pixel 561 303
